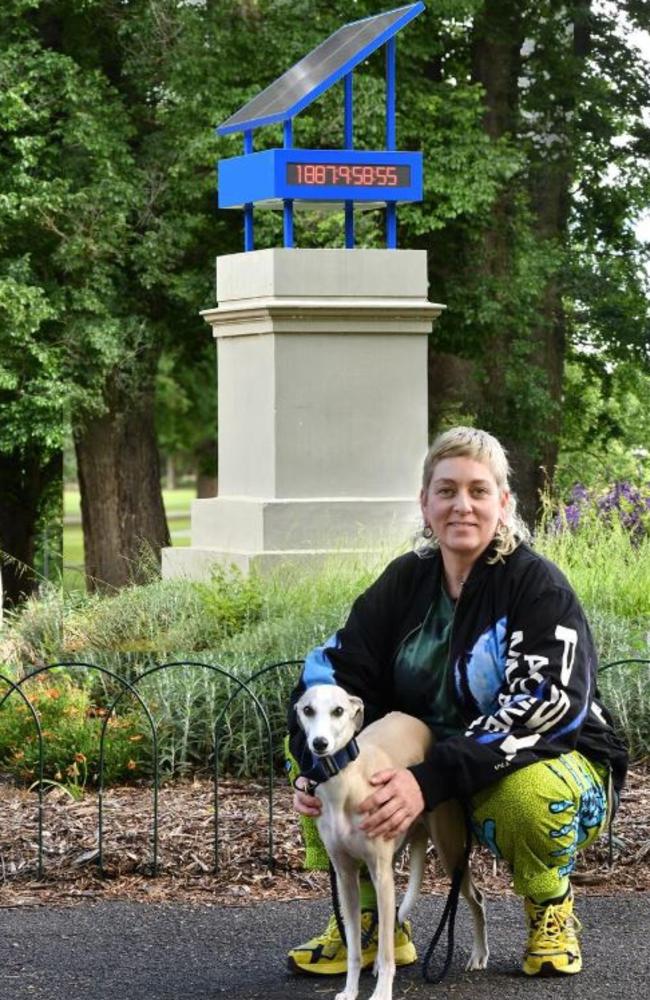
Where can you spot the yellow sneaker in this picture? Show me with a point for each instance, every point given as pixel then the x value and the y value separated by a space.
pixel 326 955
pixel 553 948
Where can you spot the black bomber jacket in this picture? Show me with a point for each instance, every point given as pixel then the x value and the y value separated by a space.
pixel 523 669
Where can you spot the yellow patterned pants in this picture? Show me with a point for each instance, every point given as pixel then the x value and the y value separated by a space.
pixel 539 817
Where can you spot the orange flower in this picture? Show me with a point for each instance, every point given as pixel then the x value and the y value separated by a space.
pixel 53 693
pixel 131 765
pixel 136 738
pixel 80 758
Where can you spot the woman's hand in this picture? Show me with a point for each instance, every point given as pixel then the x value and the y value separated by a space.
pixel 304 803
pixel 394 806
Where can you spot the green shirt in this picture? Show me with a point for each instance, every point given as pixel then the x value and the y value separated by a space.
pixel 423 675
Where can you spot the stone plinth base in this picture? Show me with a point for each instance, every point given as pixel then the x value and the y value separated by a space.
pixel 249 532
pixel 251 524
pixel 322 363
pixel 192 563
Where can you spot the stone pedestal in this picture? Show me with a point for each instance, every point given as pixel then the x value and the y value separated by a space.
pixel 322 365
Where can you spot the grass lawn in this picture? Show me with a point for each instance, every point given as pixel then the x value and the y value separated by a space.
pixel 177 506
pixel 176 501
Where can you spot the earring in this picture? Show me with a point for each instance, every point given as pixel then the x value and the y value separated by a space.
pixel 427 531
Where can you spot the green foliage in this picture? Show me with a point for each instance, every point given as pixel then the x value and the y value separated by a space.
pixel 606 435
pixel 610 571
pixel 626 690
pixel 231 602
pixel 607 568
pixel 186 407
pixel 66 193
pixel 241 625
pixel 71 727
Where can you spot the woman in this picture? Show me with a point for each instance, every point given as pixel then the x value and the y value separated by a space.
pixel 485 641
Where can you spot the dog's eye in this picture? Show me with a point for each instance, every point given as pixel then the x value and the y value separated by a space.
pixel 337 712
pixel 308 710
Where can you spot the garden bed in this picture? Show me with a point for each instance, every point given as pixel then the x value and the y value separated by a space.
pixel 186 839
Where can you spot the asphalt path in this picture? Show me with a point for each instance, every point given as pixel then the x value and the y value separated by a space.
pixel 139 951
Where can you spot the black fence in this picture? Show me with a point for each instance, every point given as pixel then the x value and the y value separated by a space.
pixel 244 688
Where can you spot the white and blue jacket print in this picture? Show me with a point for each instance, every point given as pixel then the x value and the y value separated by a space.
pixel 523 669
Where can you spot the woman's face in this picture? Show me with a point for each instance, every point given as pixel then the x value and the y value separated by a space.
pixel 463 506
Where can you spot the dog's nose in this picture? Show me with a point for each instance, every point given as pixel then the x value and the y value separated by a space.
pixel 320 744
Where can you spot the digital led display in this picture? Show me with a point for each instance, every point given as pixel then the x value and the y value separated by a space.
pixel 361 175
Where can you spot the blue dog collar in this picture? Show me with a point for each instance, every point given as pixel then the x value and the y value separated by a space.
pixel 328 766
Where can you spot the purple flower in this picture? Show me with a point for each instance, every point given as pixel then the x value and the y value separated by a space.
pixel 623 502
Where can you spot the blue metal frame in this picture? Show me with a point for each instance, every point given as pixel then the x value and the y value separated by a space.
pixel 391 135
pixel 260 177
pixel 409 13
pixel 249 241
pixel 349 143
pixel 288 202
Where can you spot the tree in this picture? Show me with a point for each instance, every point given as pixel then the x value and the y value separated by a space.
pixel 33 389
pixel 559 88
pixel 165 66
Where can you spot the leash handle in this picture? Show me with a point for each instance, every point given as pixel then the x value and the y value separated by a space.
pixel 448 917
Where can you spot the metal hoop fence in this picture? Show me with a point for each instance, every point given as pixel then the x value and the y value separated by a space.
pixel 243 688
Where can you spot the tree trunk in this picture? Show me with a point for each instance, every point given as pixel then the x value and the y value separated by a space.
pixel 26 477
pixel 207 475
pixel 122 513
pixel 206 486
pixel 498 39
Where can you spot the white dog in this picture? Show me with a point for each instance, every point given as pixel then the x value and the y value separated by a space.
pixel 331 718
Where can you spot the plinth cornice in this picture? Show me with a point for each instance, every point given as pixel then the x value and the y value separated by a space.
pixel 307 315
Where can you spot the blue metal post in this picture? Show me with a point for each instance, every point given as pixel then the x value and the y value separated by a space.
pixel 348 133
pixel 391 139
pixel 248 207
pixel 287 212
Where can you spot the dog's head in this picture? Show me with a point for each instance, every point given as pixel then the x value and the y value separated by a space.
pixel 330 718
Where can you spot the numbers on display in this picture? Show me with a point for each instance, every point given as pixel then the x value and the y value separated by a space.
pixel 348 175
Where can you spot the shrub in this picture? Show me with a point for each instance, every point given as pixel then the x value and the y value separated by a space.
pixel 71 726
pixel 608 566
pixel 229 603
pixel 626 690
pixel 243 623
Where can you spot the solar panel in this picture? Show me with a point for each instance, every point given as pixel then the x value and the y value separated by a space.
pixel 320 69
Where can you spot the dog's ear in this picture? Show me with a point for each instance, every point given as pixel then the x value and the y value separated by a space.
pixel 357 714
pixel 296 708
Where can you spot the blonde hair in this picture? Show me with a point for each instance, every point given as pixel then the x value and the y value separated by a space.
pixel 470 442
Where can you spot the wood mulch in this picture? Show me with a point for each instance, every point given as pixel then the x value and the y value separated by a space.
pixel 186 847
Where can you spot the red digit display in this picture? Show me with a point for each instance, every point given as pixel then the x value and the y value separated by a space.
pixel 361 175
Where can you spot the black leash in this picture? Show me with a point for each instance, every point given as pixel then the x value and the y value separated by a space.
pixel 448 917
pixel 336 904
